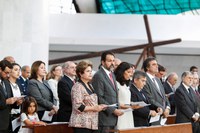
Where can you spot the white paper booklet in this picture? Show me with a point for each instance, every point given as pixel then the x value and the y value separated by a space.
pixel 141 103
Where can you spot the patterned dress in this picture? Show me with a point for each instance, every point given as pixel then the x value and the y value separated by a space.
pixel 82 96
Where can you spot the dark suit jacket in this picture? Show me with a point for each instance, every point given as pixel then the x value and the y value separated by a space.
pixel 4 111
pixel 168 90
pixel 10 93
pixel 23 85
pixel 155 98
pixel 107 94
pixel 42 94
pixel 141 116
pixel 64 94
pixel 186 107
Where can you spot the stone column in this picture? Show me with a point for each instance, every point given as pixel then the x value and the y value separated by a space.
pixel 24 30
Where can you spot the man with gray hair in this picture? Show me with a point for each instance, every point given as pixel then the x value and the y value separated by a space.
pixel 195 84
pixel 64 91
pixel 169 86
pixel 186 103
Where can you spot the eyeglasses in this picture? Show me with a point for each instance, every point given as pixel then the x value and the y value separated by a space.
pixel 6 72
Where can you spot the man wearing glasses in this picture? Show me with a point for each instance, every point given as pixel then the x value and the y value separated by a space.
pixel 5 68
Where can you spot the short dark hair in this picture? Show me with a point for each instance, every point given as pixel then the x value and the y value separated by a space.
pixel 146 64
pixel 104 54
pixel 28 100
pixel 4 64
pixel 193 67
pixel 16 64
pixel 161 68
pixel 139 74
pixel 119 73
pixel 80 68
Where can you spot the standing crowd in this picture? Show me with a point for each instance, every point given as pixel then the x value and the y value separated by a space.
pixel 96 103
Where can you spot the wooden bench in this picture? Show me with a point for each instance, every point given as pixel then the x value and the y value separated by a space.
pixel 171 119
pixel 173 128
pixel 51 128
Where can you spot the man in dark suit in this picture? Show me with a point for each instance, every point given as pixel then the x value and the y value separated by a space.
pixel 154 88
pixel 186 103
pixel 23 79
pixel 5 69
pixel 170 89
pixel 104 83
pixel 141 115
pixel 64 91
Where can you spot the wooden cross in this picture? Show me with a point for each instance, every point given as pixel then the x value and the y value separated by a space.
pixel 148 48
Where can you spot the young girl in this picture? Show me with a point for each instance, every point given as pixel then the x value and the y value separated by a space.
pixel 29 115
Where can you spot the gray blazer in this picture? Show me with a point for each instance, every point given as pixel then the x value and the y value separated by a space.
pixel 154 96
pixel 107 94
pixel 42 93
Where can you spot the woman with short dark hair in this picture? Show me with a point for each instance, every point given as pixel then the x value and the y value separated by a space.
pixel 85 108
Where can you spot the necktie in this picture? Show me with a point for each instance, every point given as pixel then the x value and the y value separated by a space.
pixel 111 79
pixel 190 94
pixel 157 87
pixel 143 97
pixel 4 88
pixel 197 93
pixel 74 81
pixel 173 89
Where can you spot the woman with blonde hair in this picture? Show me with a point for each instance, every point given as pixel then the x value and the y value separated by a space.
pixel 53 77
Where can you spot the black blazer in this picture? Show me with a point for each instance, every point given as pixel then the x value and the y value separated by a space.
pixel 64 94
pixel 10 93
pixel 23 85
pixel 168 90
pixel 141 116
pixel 186 107
pixel 4 111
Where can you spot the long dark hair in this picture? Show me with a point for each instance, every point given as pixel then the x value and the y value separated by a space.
pixel 28 100
pixel 119 73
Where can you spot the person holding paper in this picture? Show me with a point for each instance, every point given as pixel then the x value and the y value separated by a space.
pixel 104 83
pixel 5 101
pixel 41 91
pixel 29 115
pixel 123 74
pixel 169 87
pixel 85 108
pixel 186 103
pixel 142 115
pixel 14 90
pixel 154 88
